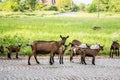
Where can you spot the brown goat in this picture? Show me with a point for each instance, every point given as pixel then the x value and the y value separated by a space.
pixel 61 53
pixel 43 47
pixel 12 48
pixel 1 49
pixel 75 42
pixel 75 50
pixel 90 53
pixel 114 49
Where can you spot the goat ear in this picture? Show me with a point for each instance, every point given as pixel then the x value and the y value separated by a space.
pixel 67 37
pixel 60 36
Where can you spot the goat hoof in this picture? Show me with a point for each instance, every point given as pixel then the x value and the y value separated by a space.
pixel 29 64
pixel 72 61
pixel 38 62
pixel 9 57
pixel 51 63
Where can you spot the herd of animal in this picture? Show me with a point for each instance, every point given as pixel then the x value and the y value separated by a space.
pixel 59 47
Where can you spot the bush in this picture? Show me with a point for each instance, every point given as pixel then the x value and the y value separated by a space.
pixel 15 6
pixel 75 8
pixel 1 6
pixel 50 8
pixel 91 8
pixel 62 10
pixel 40 6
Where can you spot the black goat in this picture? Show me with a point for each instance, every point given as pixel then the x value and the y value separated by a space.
pixel 114 49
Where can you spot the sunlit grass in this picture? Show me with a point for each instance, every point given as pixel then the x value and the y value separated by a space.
pixel 25 30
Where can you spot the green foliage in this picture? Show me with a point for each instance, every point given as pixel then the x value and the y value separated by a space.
pixel 50 8
pixel 15 6
pixel 40 6
pixel 1 6
pixel 28 29
pixel 82 6
pixel 31 4
pixel 114 6
pixel 108 5
pixel 64 5
pixel 75 8
pixel 91 8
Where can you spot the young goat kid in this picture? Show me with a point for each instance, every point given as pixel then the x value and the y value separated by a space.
pixel 90 53
pixel 61 53
pixel 114 49
pixel 12 48
pixel 75 50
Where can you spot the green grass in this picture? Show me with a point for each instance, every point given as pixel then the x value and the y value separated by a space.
pixel 27 29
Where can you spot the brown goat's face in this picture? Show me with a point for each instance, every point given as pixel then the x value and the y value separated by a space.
pixel 64 39
pixel 1 49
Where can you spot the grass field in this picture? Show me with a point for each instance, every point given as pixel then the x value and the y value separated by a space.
pixel 25 28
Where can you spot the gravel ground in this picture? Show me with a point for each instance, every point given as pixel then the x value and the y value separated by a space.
pixel 105 69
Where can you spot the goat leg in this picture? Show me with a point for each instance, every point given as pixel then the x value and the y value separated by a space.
pixel 84 60
pixel 110 54
pixel 51 58
pixel 93 60
pixel 29 59
pixel 35 56
pixel 17 55
pixel 71 57
pixel 9 55
pixel 118 52
pixel 62 60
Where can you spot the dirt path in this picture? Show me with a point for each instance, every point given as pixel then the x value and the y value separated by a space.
pixel 105 69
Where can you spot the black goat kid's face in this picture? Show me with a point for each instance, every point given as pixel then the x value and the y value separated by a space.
pixel 64 39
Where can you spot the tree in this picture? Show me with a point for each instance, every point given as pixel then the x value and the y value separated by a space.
pixel 64 4
pixel 82 6
pixel 91 8
pixel 31 4
pixel 108 5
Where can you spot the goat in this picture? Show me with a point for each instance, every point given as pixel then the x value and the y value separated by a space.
pixel 90 53
pixel 75 50
pixel 114 49
pixel 96 28
pixel 1 49
pixel 43 47
pixel 13 48
pixel 61 53
pixel 75 42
